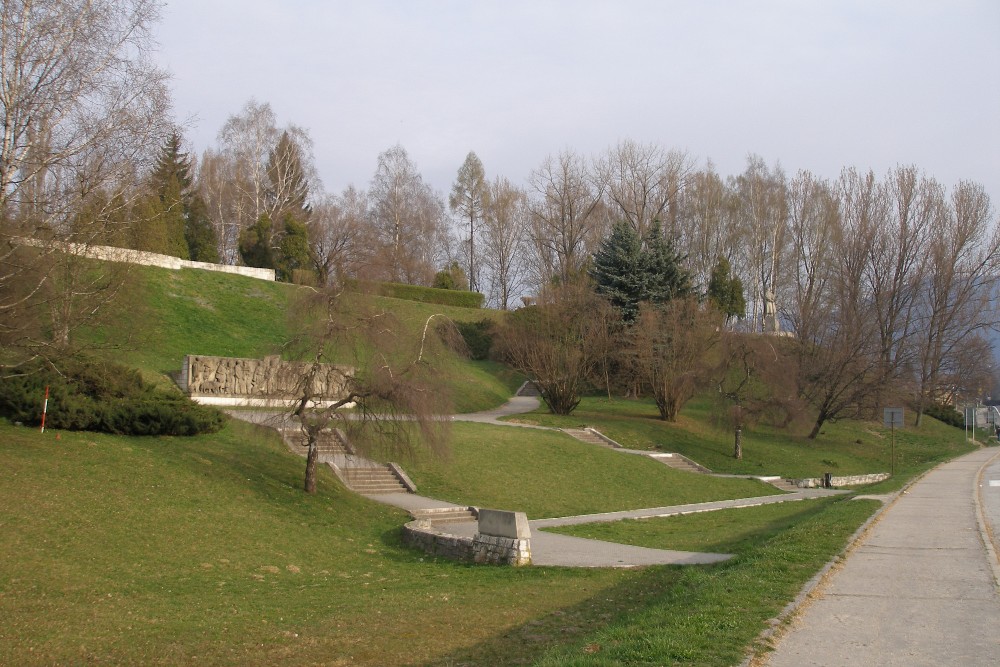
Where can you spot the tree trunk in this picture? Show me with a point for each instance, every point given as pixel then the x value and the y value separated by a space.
pixel 738 444
pixel 312 458
pixel 820 420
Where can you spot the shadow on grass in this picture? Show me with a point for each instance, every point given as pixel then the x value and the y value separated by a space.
pixel 526 643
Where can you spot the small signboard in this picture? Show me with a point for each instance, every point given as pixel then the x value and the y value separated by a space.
pixel 892 417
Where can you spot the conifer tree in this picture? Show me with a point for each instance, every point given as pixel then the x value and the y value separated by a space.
pixel 618 270
pixel 629 270
pixel 725 291
pixel 662 268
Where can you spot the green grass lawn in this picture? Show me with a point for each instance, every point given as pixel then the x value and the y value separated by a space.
pixel 721 531
pixel 843 448
pixel 204 550
pixel 548 474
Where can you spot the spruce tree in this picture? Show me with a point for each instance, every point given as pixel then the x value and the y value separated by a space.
pixel 662 268
pixel 618 270
pixel 629 270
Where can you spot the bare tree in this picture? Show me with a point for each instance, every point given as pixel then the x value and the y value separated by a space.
pixel 84 110
pixel 336 235
pixel 504 240
pixel 559 343
pixel 706 225
pixel 407 218
pixel 562 205
pixel 756 379
pixel 217 182
pixel 901 232
pixel 467 200
pixel 669 350
pixel 959 299
pixel 762 212
pixel 815 233
pixel 642 183
pixel 392 403
pixel 270 170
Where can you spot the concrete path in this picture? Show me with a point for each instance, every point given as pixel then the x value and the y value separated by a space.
pixel 919 589
pixel 567 551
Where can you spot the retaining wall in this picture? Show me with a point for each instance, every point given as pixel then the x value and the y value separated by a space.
pixel 846 480
pixel 130 256
pixel 511 548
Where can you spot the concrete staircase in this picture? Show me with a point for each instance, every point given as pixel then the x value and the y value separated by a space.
pixel 780 483
pixel 373 480
pixel 446 514
pixel 528 389
pixel 330 443
pixel 681 463
pixel 591 437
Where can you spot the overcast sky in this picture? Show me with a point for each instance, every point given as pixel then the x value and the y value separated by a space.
pixel 811 85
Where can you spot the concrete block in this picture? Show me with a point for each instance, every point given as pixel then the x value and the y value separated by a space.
pixel 500 523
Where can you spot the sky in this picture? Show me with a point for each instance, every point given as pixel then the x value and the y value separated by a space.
pixel 817 85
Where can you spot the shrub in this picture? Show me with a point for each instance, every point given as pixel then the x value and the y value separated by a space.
pixel 946 414
pixel 478 337
pixel 86 395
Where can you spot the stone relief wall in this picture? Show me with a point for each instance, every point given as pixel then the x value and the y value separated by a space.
pixel 270 377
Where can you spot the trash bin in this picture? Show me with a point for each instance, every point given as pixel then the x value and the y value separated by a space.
pixel 828 480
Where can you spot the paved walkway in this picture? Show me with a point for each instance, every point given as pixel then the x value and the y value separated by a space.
pixel 567 551
pixel 920 589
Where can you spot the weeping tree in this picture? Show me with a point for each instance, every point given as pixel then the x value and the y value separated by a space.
pixel 390 401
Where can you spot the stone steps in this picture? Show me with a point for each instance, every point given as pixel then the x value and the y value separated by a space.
pixel 679 462
pixel 587 436
pixel 446 514
pixel 528 389
pixel 782 484
pixel 373 481
pixel 329 442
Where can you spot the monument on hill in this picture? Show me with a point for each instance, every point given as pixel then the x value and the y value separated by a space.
pixel 267 382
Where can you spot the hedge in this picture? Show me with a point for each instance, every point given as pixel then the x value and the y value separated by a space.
pixel 444 297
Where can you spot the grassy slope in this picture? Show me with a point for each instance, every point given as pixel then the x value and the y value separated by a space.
pixel 182 550
pixel 545 474
pixel 843 448
pixel 168 314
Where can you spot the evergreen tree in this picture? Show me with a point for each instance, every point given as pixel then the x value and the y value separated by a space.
pixel 293 249
pixel 629 270
pixel 662 268
pixel 202 242
pixel 726 291
pixel 255 246
pixel 618 270
pixel 183 227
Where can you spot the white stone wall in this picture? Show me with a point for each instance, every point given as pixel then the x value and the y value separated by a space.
pixel 127 255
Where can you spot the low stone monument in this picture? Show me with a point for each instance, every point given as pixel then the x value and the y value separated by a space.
pixel 503 538
pixel 267 382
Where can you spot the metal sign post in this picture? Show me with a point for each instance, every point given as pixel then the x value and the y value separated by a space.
pixel 892 417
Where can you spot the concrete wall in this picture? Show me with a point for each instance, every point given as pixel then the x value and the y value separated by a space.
pixel 127 255
pixel 845 480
